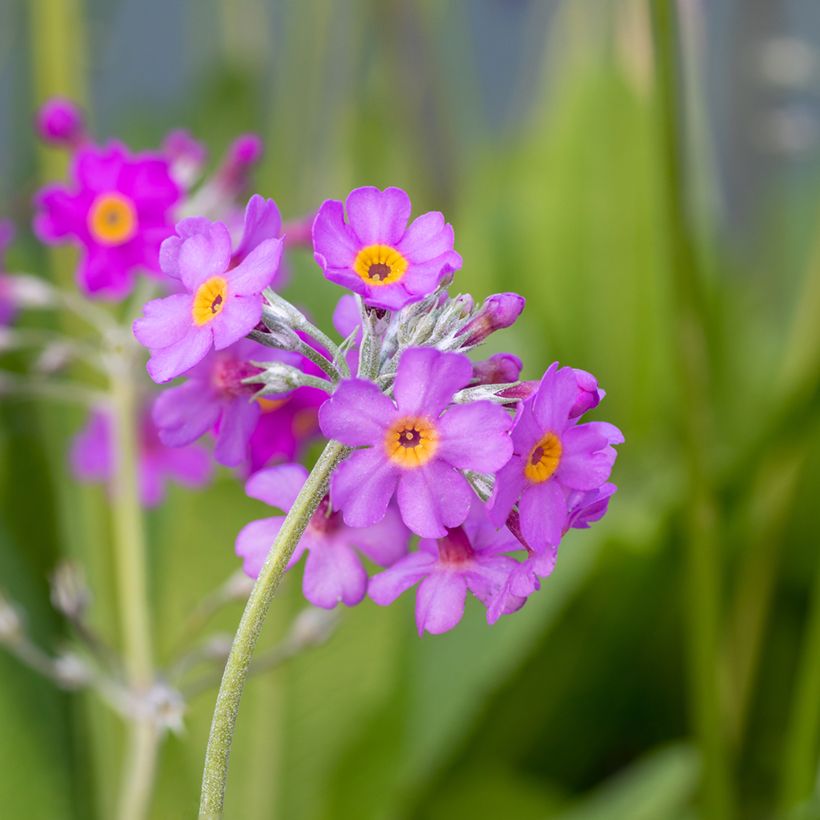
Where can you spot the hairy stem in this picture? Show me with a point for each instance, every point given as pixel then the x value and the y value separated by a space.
pixel 132 587
pixel 236 669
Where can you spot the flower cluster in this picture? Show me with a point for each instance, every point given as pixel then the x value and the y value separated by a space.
pixel 488 471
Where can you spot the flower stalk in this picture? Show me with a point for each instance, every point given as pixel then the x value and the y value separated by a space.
pixel 223 724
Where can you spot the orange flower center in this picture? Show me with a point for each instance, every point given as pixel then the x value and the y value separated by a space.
pixel 411 442
pixel 112 219
pixel 544 459
pixel 380 265
pixel 209 300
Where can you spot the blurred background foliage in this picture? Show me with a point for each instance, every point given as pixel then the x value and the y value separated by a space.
pixel 646 173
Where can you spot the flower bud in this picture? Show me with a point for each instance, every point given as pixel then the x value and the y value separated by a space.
pixel 498 312
pixel 276 378
pixel 60 122
pixel 589 394
pixel 244 152
pixel 26 291
pixel 520 392
pixel 502 368
pixel 186 155
pixel 70 594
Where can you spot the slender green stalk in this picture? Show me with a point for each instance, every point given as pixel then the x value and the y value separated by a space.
pixel 132 588
pixel 236 669
pixel 702 576
pixel 800 758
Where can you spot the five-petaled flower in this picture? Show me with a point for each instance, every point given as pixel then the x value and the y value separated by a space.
pixel 375 253
pixel 469 557
pixel 333 571
pixel 119 210
pixel 222 302
pixel 416 447
pixel 554 458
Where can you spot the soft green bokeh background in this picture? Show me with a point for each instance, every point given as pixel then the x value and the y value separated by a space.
pixel 540 129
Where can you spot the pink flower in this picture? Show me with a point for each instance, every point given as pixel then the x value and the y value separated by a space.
pixel 334 572
pixel 221 305
pixel 93 458
pixel 468 558
pixel 375 253
pixel 118 209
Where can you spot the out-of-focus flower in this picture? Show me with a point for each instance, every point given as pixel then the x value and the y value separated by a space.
pixel 553 457
pixel 222 302
pixel 469 557
pixel 118 209
pixel 375 253
pixel 93 458
pixel 8 306
pixel 501 368
pixel 60 122
pixel 416 447
pixel 334 572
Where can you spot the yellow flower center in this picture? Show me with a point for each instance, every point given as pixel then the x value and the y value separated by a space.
pixel 112 219
pixel 269 405
pixel 544 459
pixel 411 442
pixel 380 265
pixel 209 300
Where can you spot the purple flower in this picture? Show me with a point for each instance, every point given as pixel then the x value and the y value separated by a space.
pixel 553 457
pixel 468 557
pixel 7 303
pixel 499 311
pixel 415 447
pixel 118 209
pixel 589 394
pixel 93 459
pixel 376 254
pixel 333 571
pixel 214 398
pixel 186 156
pixel 222 303
pixel 585 508
pixel 60 122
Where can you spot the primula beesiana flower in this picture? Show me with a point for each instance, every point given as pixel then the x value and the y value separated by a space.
pixel 468 557
pixel 333 571
pixel 554 457
pixel 214 398
pixel 223 303
pixel 415 447
pixel 118 209
pixel 375 253
pixel 60 122
pixel 93 458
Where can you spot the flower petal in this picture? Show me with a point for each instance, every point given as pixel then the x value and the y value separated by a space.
pixel 555 398
pixel 543 510
pixel 362 487
pixel 172 361
pixel 206 252
pixel 475 436
pixel 427 237
pixel 262 221
pixel 334 244
pixel 183 414
pixel 277 486
pixel 236 427
pixel 333 574
pixel 427 379
pixel 255 541
pixel 509 484
pixel 357 413
pixel 386 586
pixel 587 458
pixel 440 602
pixel 378 217
pixel 257 269
pixel 164 321
pixel 239 317
pixel 383 543
pixel 432 498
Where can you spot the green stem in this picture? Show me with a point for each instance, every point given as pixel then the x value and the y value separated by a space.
pixel 702 575
pixel 801 749
pixel 132 587
pixel 236 669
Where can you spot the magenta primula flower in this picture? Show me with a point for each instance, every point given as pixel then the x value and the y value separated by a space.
pixel 215 399
pixel 554 457
pixel 375 253
pixel 222 304
pixel 93 458
pixel 415 446
pixel 468 558
pixel 118 209
pixel 334 573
